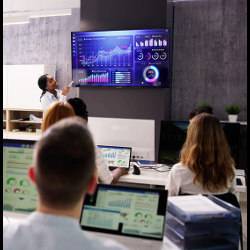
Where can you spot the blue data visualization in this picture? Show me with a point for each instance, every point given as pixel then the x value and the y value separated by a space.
pixel 121 58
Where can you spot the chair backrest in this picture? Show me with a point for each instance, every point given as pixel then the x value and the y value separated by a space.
pixel 230 198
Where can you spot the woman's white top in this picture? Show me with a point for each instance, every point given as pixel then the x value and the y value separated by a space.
pixel 104 174
pixel 49 98
pixel 180 181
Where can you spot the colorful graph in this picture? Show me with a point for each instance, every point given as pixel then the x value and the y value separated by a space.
pixel 152 43
pixel 120 55
pixel 96 78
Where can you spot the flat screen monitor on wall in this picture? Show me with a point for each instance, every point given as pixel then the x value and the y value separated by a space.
pixel 125 58
pixel 173 135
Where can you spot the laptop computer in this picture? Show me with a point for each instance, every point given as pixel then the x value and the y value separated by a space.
pixel 115 156
pixel 130 211
pixel 19 193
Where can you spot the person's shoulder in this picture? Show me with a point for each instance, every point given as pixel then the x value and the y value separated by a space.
pixel 178 166
pixel 103 243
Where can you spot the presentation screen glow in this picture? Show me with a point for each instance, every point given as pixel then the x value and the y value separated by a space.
pixel 127 58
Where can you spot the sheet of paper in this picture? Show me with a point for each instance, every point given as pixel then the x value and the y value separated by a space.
pixel 196 204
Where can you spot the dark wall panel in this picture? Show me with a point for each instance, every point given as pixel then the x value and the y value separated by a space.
pixel 209 56
pixel 119 14
pixel 137 103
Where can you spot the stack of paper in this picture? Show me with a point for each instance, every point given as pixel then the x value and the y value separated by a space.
pixel 200 222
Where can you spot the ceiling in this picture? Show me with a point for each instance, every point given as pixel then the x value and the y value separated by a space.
pixel 20 11
pixel 31 5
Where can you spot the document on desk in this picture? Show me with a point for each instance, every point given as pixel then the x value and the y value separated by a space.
pixel 196 204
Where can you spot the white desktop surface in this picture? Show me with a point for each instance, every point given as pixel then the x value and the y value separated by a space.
pixel 153 177
pixel 129 242
pixel 147 176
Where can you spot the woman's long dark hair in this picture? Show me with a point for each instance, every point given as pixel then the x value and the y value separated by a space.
pixel 42 83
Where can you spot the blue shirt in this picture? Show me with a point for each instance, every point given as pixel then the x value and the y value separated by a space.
pixel 40 231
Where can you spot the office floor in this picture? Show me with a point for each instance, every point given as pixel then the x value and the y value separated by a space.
pixel 243 205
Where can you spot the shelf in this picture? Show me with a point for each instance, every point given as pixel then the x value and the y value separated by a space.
pixel 17 121
pixel 14 119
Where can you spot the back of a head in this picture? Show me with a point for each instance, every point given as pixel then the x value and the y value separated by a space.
pixel 64 163
pixel 208 110
pixel 79 107
pixel 207 153
pixel 56 112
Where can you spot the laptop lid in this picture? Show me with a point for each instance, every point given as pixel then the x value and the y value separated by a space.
pixel 19 193
pixel 115 156
pixel 130 211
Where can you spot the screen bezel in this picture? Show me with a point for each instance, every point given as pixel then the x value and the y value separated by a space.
pixel 128 87
pixel 162 202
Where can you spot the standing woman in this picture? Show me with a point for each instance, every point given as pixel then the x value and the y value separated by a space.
pixel 206 166
pixel 50 92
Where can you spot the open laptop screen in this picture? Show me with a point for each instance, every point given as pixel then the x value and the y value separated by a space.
pixel 130 211
pixel 19 193
pixel 115 156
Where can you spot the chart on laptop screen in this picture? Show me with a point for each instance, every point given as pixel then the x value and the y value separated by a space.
pixel 19 194
pixel 116 156
pixel 126 211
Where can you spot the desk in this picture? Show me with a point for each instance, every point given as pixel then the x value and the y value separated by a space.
pixel 130 242
pixel 152 178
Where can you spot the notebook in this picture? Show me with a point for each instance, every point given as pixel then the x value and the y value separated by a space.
pixel 19 193
pixel 115 156
pixel 130 211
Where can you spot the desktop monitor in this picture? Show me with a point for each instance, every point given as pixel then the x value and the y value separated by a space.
pixel 131 211
pixel 173 135
pixel 19 193
pixel 121 58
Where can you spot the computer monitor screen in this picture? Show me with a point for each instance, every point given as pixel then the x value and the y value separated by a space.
pixel 125 58
pixel 116 156
pixel 19 193
pixel 173 135
pixel 138 212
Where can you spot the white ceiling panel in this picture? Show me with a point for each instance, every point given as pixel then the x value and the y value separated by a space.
pixel 31 5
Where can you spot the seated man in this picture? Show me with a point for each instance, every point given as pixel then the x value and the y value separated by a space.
pixel 64 160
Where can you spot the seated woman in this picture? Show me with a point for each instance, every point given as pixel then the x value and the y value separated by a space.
pixel 105 176
pixel 55 112
pixel 206 166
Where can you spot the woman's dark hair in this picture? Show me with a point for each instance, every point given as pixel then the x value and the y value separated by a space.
pixel 208 110
pixel 42 83
pixel 79 107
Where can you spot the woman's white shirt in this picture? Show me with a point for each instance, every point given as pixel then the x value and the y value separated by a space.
pixel 104 174
pixel 180 180
pixel 48 98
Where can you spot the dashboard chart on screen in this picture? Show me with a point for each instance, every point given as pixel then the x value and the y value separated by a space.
pixel 132 58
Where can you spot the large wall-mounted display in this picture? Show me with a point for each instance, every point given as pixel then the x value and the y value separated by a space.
pixel 125 58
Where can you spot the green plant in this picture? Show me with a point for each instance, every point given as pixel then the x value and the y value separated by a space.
pixel 232 109
pixel 204 105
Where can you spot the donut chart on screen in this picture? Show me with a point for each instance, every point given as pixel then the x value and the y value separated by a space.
pixel 151 74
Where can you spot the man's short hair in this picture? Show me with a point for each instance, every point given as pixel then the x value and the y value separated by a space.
pixel 64 162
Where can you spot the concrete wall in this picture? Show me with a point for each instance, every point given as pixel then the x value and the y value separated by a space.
pixel 209 56
pixel 43 41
